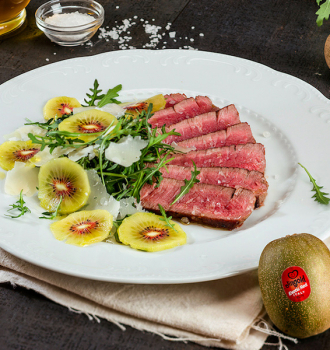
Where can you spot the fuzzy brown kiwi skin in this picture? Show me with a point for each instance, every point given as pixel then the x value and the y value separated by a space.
pixel 327 51
pixel 312 315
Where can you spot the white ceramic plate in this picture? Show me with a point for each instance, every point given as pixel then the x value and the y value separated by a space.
pixel 294 116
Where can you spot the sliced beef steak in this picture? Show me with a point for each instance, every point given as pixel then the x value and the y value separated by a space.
pixel 237 134
pixel 228 177
pixel 184 109
pixel 173 99
pixel 250 156
pixel 203 124
pixel 207 204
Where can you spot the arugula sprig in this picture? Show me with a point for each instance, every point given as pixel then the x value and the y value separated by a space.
pixel 19 206
pixel 166 218
pixel 52 215
pixel 319 196
pixel 103 99
pixel 188 184
pixel 95 94
pixel 323 12
pixel 109 97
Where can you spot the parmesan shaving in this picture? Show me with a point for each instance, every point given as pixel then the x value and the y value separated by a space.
pixel 126 151
pixel 21 177
pixel 129 206
pixel 99 197
pixel 182 149
pixel 45 156
pixel 21 134
pixel 82 152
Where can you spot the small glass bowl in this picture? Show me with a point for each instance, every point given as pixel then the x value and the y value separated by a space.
pixel 70 35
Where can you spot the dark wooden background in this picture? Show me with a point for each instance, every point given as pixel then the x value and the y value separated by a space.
pixel 278 33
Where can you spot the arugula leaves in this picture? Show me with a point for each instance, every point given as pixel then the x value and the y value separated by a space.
pixel 319 195
pixel 109 97
pixel 19 206
pixel 188 184
pixel 323 12
pixel 166 219
pixel 103 99
pixel 52 215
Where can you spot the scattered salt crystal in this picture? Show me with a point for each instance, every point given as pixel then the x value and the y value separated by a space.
pixel 47 59
pixel 168 26
pixel 172 34
pixel 54 53
pixel 192 27
pixel 69 19
pixel 117 7
pixel 201 34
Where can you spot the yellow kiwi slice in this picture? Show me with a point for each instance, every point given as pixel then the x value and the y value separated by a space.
pixel 17 151
pixel 59 106
pixel 90 123
pixel 145 231
pixel 84 227
pixel 63 178
pixel 134 109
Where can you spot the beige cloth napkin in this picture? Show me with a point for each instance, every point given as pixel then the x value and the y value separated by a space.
pixel 219 313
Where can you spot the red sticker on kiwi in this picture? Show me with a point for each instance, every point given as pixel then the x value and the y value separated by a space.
pixel 296 284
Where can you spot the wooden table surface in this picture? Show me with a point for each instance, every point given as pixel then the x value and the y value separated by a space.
pixel 280 34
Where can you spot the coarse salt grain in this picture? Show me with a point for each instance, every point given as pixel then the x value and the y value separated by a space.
pixel 69 19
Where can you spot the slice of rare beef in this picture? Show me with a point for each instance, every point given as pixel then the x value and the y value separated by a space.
pixel 203 124
pixel 250 156
pixel 237 134
pixel 184 109
pixel 173 99
pixel 228 177
pixel 216 206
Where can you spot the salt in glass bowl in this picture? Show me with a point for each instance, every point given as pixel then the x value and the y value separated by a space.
pixel 70 34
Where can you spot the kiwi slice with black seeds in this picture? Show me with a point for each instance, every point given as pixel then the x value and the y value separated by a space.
pixel 89 122
pixel 63 180
pixel 59 106
pixel 146 231
pixel 84 227
pixel 17 151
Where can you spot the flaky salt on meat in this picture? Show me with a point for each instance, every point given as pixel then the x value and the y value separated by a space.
pixel 173 99
pixel 237 134
pixel 212 205
pixel 187 108
pixel 203 124
pixel 222 176
pixel 250 156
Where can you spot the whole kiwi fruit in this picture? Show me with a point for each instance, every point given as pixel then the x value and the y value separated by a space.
pixel 294 278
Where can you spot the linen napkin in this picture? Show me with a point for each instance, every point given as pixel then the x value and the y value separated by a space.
pixel 221 313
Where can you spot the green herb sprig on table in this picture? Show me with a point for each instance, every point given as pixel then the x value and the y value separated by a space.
pixel 19 206
pixel 323 12
pixel 319 196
